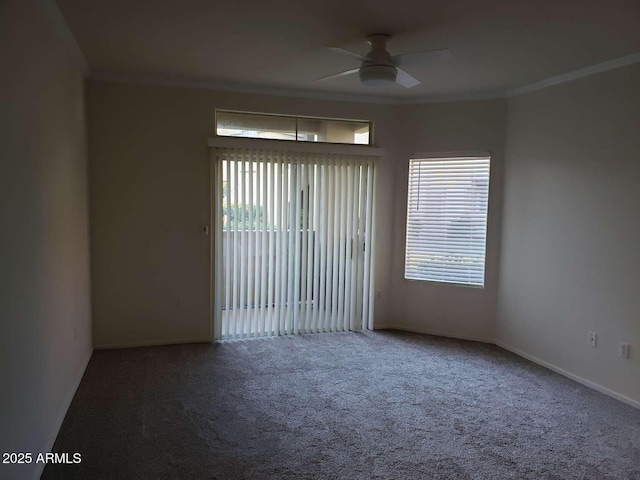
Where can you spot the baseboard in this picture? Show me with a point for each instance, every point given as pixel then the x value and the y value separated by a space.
pixel 151 343
pixel 58 424
pixel 572 376
pixel 436 333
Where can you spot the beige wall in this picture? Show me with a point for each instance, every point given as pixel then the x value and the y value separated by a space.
pixel 45 331
pixel 571 231
pixel 150 193
pixel 459 311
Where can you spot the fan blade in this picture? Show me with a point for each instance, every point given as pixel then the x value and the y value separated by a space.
pixel 342 51
pixel 406 80
pixel 420 58
pixel 336 75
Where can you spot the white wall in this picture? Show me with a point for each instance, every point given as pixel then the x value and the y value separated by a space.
pixel 150 191
pixel 452 310
pixel 45 331
pixel 570 261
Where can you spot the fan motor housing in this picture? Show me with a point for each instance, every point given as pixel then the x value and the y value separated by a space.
pixel 378 75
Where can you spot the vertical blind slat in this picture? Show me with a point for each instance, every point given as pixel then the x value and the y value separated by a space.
pixel 263 185
pixel 353 246
pixel 251 268
pixel 308 243
pixel 217 273
pixel 291 251
pixel 336 249
pixel 343 174
pixel 361 240
pixel 331 202
pixel 317 234
pixel 271 222
pixel 370 248
pixel 322 246
pixel 283 246
pixel 295 227
pixel 278 262
pixel 227 255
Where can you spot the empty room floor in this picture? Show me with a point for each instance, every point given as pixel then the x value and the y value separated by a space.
pixel 341 405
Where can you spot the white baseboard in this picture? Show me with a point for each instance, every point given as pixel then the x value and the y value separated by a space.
pixel 532 358
pixel 63 413
pixel 436 333
pixel 572 376
pixel 151 343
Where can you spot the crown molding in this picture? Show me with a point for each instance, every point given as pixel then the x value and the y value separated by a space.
pixel 169 81
pixel 172 81
pixel 60 24
pixel 576 74
pixel 464 97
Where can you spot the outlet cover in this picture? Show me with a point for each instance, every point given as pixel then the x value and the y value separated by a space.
pixel 624 350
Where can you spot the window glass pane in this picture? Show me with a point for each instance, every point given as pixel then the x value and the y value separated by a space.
pixel 447 219
pixel 302 129
pixel 232 124
pixel 333 131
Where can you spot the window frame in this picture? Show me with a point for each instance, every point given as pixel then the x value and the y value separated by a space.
pixel 449 156
pixel 297 118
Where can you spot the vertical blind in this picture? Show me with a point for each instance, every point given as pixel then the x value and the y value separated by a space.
pixel 293 243
pixel 447 219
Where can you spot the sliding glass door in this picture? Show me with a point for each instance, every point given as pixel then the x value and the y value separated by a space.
pixel 293 243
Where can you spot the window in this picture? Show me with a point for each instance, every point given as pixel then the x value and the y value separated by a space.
pixel 447 219
pixel 300 129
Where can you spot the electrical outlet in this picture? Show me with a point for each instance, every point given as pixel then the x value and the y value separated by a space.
pixel 624 350
pixel 593 338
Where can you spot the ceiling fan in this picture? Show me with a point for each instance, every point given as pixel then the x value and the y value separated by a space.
pixel 379 68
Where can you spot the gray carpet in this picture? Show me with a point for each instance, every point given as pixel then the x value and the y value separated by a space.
pixel 341 406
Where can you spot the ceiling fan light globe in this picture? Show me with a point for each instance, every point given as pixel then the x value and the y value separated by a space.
pixel 378 75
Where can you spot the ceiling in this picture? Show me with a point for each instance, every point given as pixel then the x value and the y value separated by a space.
pixel 498 44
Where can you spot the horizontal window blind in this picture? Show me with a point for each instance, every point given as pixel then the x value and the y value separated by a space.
pixel 293 242
pixel 447 219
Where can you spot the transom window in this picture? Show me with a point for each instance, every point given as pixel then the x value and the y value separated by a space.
pixel 447 219
pixel 299 129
